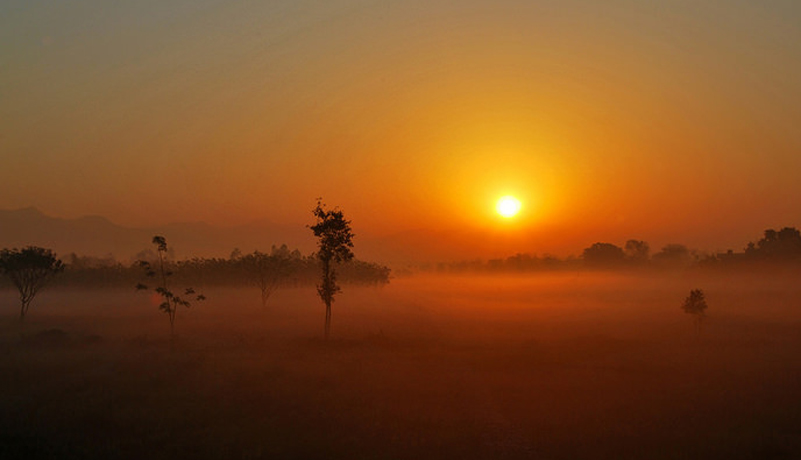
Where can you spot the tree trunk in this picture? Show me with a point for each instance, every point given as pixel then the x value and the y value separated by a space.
pixel 698 324
pixel 172 325
pixel 25 303
pixel 327 320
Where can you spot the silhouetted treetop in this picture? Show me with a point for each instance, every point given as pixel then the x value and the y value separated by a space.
pixel 29 269
pixel 637 250
pixel 695 305
pixel 674 254
pixel 334 235
pixel 784 244
pixel 603 255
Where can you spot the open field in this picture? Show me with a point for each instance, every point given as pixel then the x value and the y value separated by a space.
pixel 551 366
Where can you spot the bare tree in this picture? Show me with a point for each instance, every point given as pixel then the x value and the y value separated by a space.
pixel 29 269
pixel 267 271
pixel 335 240
pixel 695 304
pixel 170 301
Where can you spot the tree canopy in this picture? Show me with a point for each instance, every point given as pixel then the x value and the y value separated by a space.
pixel 603 254
pixel 29 269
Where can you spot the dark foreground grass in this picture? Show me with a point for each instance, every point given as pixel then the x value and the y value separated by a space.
pixel 404 385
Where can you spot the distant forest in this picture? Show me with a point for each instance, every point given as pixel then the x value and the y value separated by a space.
pixel 283 266
pixel 775 248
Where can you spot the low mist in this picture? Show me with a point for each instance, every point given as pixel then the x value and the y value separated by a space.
pixel 572 364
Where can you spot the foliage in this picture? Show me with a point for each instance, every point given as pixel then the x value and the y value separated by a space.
pixel 784 244
pixel 674 255
pixel 267 270
pixel 603 255
pixel 695 304
pixel 637 251
pixel 29 270
pixel 215 271
pixel 334 243
pixel 170 301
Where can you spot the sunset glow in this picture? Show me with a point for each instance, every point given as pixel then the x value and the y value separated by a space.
pixel 508 206
pixel 620 120
pixel 406 229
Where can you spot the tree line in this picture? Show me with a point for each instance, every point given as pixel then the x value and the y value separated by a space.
pixel 776 247
pixel 238 269
pixel 31 268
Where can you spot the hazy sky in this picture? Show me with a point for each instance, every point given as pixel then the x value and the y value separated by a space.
pixel 661 120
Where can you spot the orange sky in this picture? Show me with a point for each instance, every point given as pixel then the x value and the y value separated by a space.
pixel 664 121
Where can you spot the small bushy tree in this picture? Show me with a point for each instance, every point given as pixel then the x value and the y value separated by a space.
pixel 334 243
pixel 170 301
pixel 29 269
pixel 695 305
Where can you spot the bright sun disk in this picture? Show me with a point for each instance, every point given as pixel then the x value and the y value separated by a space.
pixel 508 206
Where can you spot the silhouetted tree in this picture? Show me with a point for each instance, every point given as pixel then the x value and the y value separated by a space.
pixel 637 251
pixel 29 269
pixel 673 255
pixel 695 304
pixel 266 271
pixel 334 243
pixel 784 244
pixel 170 301
pixel 522 262
pixel 603 255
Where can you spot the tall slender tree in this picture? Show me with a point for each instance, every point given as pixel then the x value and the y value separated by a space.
pixel 334 243
pixel 170 301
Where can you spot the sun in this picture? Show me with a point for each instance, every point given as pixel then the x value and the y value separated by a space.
pixel 508 206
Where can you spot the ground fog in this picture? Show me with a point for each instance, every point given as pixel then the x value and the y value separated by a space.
pixel 552 366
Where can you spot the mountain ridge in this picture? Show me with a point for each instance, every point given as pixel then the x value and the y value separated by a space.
pixel 98 236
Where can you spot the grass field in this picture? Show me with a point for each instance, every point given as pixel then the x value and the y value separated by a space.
pixel 552 366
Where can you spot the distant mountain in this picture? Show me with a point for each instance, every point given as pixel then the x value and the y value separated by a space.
pixel 97 236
